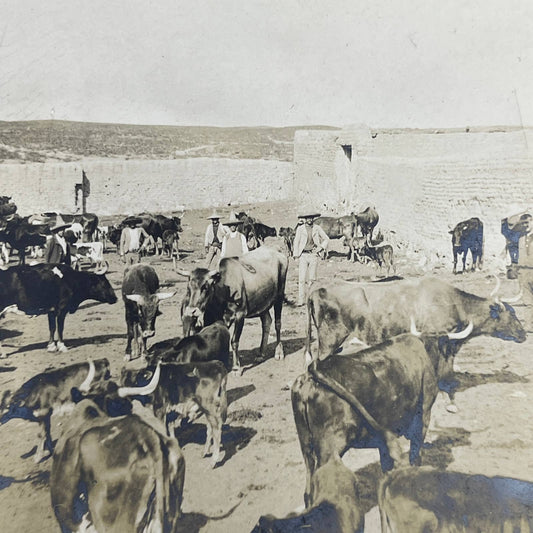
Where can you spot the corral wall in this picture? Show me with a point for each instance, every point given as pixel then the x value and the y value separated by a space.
pixel 132 186
pixel 422 183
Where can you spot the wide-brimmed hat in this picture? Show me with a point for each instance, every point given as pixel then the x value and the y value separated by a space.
pixel 132 219
pixel 214 216
pixel 59 224
pixel 233 220
pixel 309 215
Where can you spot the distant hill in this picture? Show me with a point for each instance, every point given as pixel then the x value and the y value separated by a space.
pixel 53 140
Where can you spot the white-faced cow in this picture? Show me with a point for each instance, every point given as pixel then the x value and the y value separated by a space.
pixel 141 302
pixel 374 312
pixel 52 289
pixel 418 500
pixel 119 475
pixel 50 391
pixel 371 398
pixel 468 235
pixel 242 288
pixel 183 390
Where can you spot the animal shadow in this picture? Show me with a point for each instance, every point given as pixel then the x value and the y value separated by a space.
pixel 290 346
pixel 9 333
pixel 74 343
pixel 39 479
pixel 438 454
pixel 239 392
pixel 193 522
pixel 466 380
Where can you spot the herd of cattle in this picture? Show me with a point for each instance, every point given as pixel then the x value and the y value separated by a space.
pixel 385 349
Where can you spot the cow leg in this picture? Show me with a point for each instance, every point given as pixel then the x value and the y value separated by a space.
pixel 464 261
pixel 214 425
pixel 127 355
pixel 52 328
pixel 279 354
pixel 266 322
pixel 237 331
pixel 454 262
pixel 45 439
pixel 60 327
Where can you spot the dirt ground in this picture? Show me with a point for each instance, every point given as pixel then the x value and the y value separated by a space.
pixel 263 470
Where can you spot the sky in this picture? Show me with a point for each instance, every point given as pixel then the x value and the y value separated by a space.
pixel 384 63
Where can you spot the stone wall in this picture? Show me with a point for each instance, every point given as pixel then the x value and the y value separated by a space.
pixel 422 183
pixel 132 186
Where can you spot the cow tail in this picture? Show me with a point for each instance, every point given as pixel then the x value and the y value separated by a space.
pixel 310 316
pixel 382 495
pixel 223 398
pixel 347 396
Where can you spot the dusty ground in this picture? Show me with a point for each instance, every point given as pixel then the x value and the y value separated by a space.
pixel 263 470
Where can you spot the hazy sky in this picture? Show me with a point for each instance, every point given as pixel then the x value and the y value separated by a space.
pixel 386 63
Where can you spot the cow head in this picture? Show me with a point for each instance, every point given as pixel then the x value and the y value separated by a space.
pixel 177 224
pixel 502 322
pixel 105 395
pixel 200 290
pixel 148 310
pixel 99 288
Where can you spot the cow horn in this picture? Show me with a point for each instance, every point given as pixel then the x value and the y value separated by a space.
pixel 513 299
pixel 497 288
pixel 142 391
pixel 462 334
pixel 184 273
pixel 414 331
pixel 84 387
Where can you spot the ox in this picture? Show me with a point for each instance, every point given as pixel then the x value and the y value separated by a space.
pixel 338 228
pixel 373 312
pixel 141 302
pixel 20 233
pixel 186 390
pixel 334 505
pixel 155 226
pixel 367 220
pixel 52 289
pixel 468 235
pixel 119 475
pixel 242 288
pixel 40 396
pixel 417 500
pixel 210 344
pixel 371 398
pixel 254 231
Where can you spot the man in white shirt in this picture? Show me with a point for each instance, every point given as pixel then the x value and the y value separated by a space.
pixel 234 243
pixel 214 235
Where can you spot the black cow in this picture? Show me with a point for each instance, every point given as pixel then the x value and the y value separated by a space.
pixel 374 312
pixel 370 398
pixel 155 225
pixel 116 474
pixel 141 302
pixel 334 505
pixel 20 233
pixel 468 235
pixel 52 289
pixel 50 391
pixel 113 235
pixel 88 221
pixel 255 231
pixel 367 220
pixel 186 390
pixel 210 344
pixel 418 500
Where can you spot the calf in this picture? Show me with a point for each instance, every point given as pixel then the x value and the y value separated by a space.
pixel 334 501
pixel 116 474
pixel 468 235
pixel 423 499
pixel 288 234
pixel 382 255
pixel 40 396
pixel 141 302
pixel 170 240
pixel 186 390
pixel 210 344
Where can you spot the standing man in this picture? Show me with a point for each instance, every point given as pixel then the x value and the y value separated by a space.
pixel 214 235
pixel 57 249
pixel 131 244
pixel 234 242
pixel 309 241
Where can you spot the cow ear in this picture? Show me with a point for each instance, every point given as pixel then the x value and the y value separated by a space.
pixel 165 295
pixel 134 297
pixel 76 395
pixel 214 276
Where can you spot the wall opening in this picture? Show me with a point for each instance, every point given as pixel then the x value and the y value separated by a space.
pixel 347 151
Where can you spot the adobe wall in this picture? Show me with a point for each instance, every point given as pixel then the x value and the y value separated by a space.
pixel 133 186
pixel 421 182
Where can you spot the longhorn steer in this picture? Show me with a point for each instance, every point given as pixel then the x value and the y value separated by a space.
pixel 185 389
pixel 52 289
pixel 417 500
pixel 370 398
pixel 246 287
pixel 141 301
pixel 373 312
pixel 45 393
pixel 119 475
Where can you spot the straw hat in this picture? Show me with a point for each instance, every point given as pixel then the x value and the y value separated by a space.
pixel 132 219
pixel 309 215
pixel 233 220
pixel 214 216
pixel 59 224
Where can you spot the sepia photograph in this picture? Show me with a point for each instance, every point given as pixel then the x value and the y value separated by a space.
pixel 266 266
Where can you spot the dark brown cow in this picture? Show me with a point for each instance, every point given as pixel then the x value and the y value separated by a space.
pixel 367 220
pixel 242 288
pixel 419 500
pixel 119 475
pixel 374 312
pixel 468 235
pixel 49 391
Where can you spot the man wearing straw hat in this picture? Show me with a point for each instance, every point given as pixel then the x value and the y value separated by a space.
pixel 309 241
pixel 234 242
pixel 131 244
pixel 57 250
pixel 214 235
